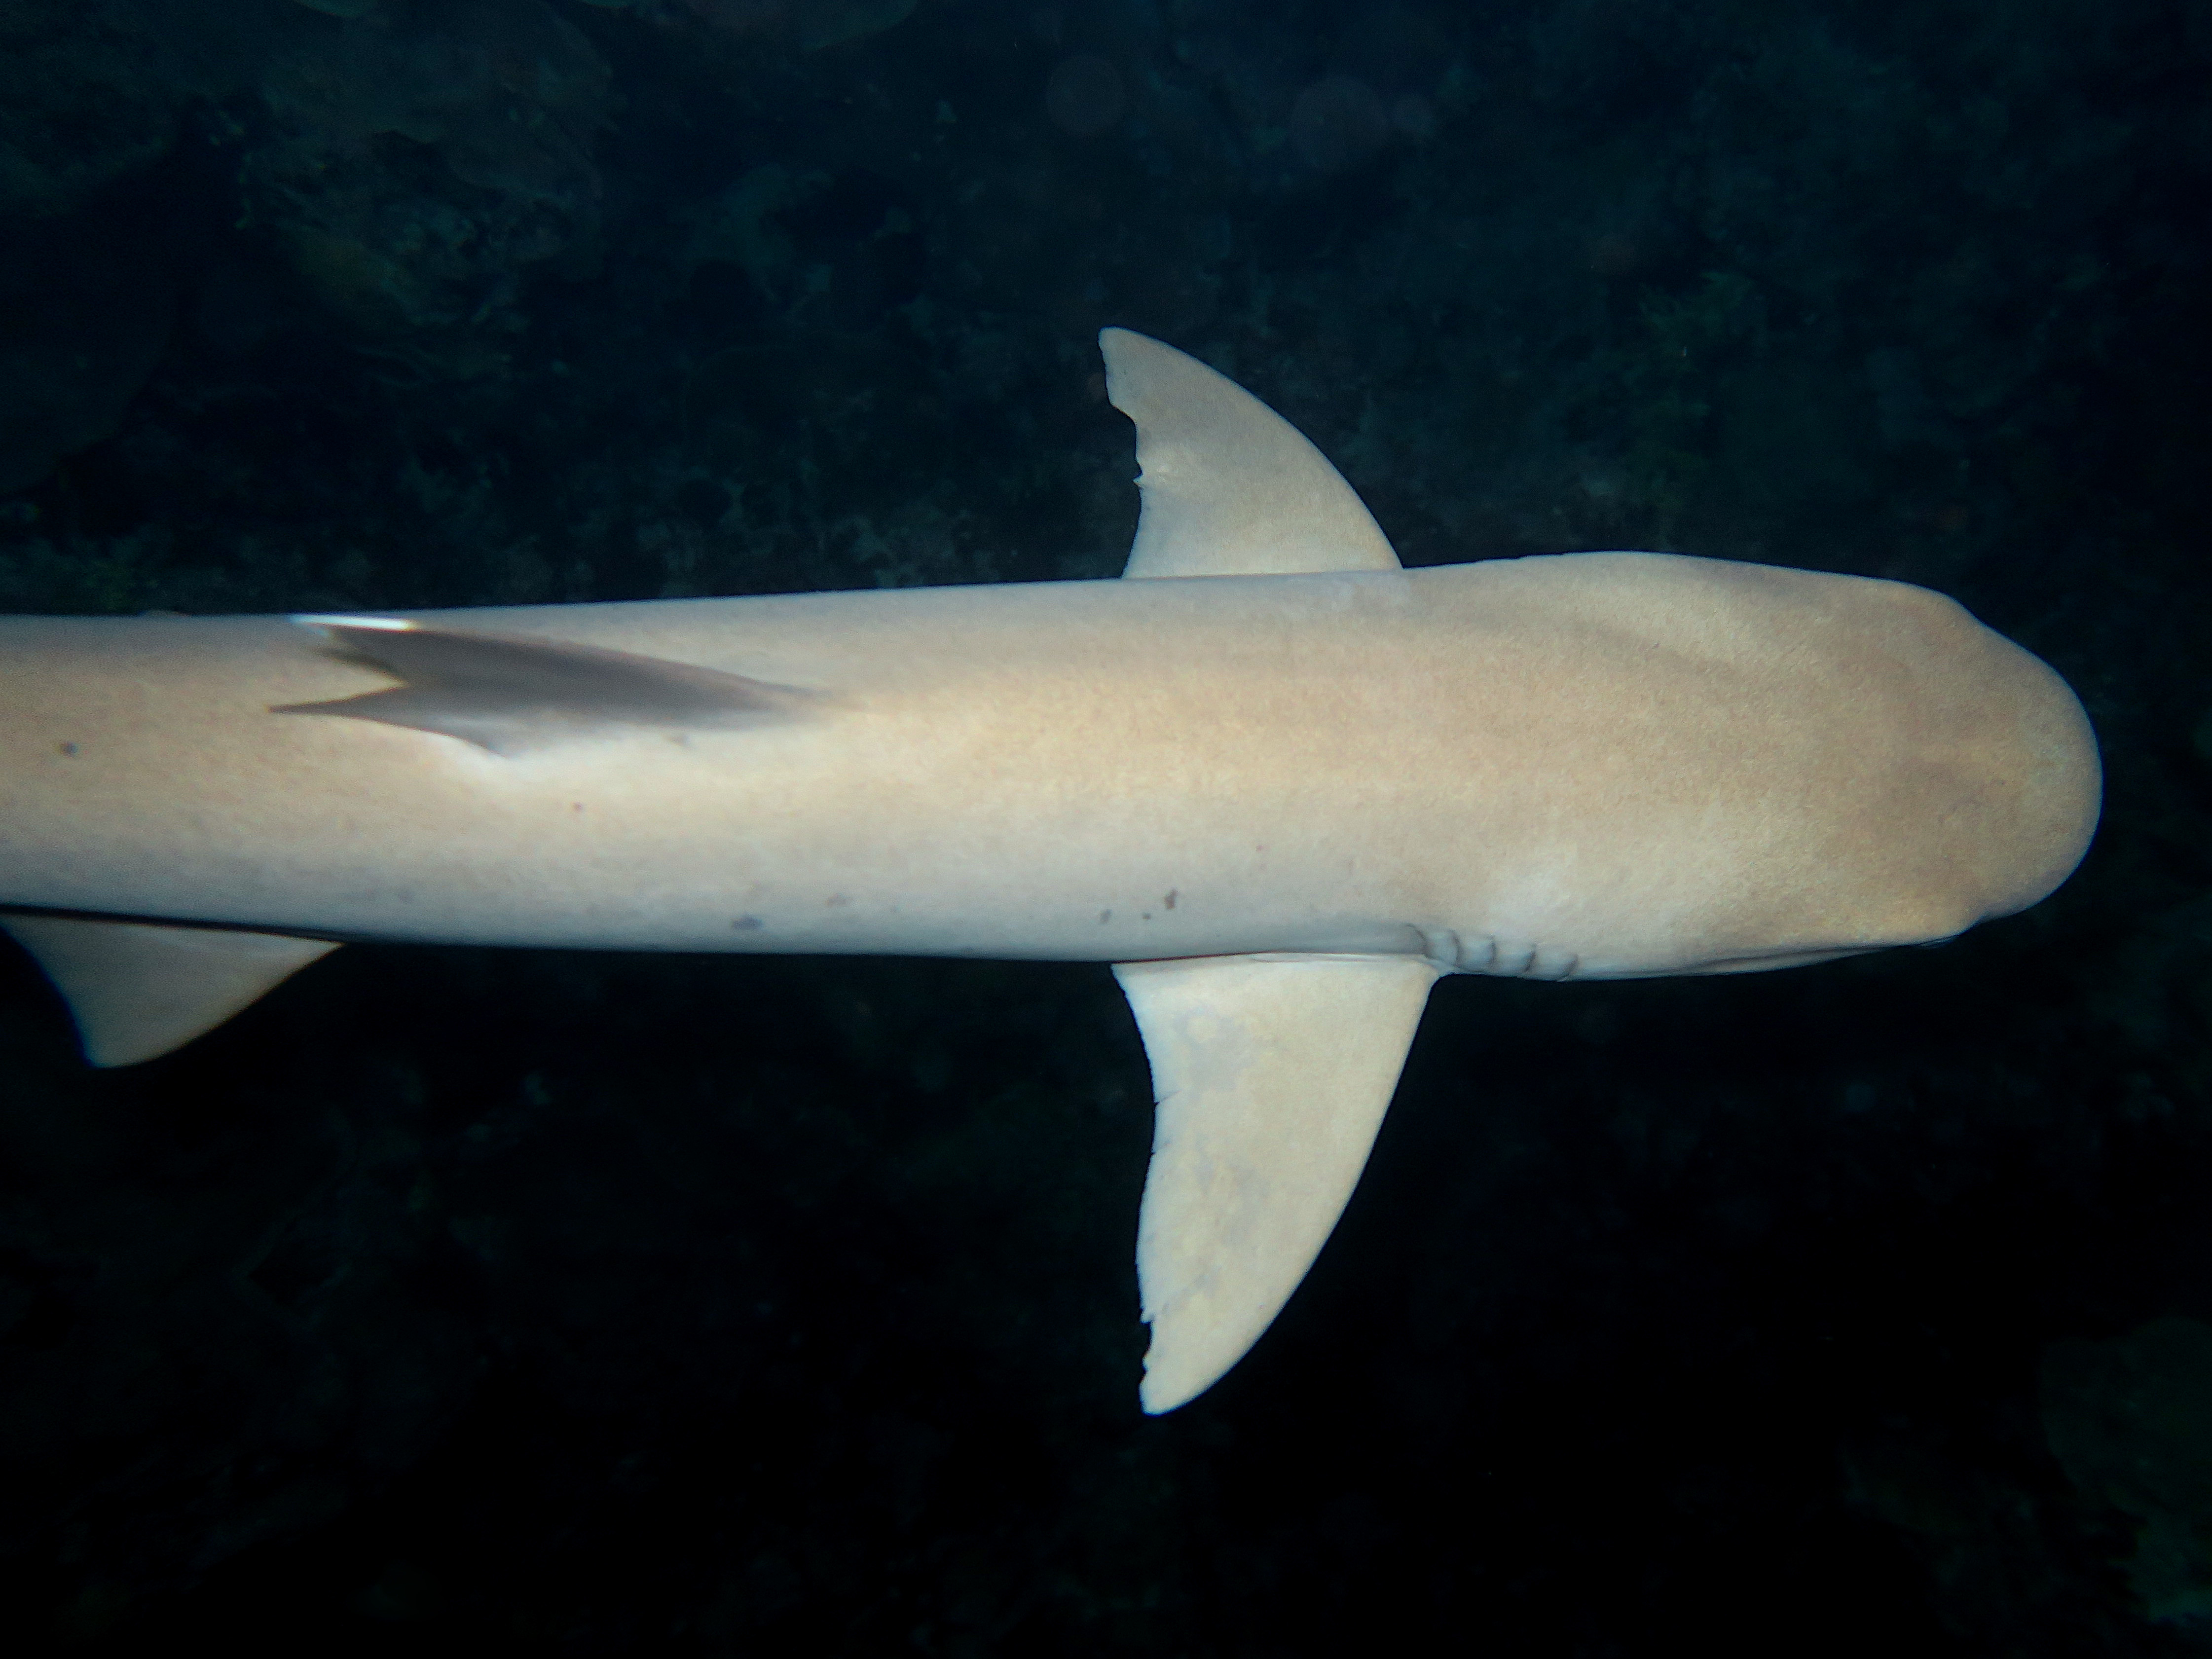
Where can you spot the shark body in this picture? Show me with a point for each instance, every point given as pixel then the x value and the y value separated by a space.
pixel 1280 782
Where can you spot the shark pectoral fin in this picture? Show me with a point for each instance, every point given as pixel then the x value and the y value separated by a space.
pixel 138 989
pixel 1272 1074
pixel 508 692
pixel 1228 487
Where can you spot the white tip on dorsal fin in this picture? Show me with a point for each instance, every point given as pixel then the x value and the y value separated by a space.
pixel 1272 1074
pixel 138 989
pixel 1229 488
pixel 508 692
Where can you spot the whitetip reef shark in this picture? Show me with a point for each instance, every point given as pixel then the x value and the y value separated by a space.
pixel 1280 782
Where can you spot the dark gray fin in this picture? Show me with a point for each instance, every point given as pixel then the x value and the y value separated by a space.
pixel 138 989
pixel 1270 1075
pixel 1228 487
pixel 510 692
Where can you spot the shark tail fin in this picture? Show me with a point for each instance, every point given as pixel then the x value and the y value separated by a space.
pixel 137 989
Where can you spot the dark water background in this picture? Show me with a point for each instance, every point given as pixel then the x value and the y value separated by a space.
pixel 460 1300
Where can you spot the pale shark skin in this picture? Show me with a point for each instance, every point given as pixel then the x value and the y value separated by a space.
pixel 1279 782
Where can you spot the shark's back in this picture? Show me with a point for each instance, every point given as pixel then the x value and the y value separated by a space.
pixel 1280 782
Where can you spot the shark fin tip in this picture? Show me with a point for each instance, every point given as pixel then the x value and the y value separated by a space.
pixel 324 624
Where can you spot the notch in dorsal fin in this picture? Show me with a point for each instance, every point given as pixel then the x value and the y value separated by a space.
pixel 138 989
pixel 1229 487
pixel 1271 1074
pixel 508 692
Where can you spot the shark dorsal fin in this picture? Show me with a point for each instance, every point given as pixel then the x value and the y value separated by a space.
pixel 508 692
pixel 138 989
pixel 1271 1074
pixel 1229 488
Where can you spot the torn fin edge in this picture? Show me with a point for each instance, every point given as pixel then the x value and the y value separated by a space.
pixel 1227 486
pixel 1270 1075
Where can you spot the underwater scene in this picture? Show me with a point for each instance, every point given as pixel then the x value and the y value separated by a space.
pixel 459 1299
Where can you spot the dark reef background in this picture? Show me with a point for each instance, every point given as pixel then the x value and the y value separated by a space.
pixel 466 1300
